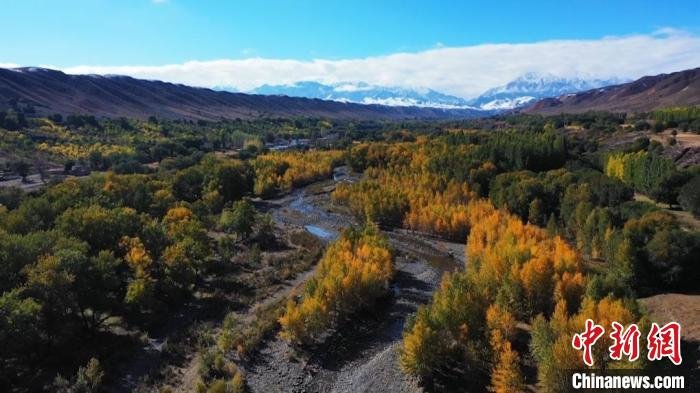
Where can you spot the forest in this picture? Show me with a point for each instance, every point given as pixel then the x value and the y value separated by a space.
pixel 177 214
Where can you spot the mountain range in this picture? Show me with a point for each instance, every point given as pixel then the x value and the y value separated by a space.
pixel 50 91
pixel 644 94
pixel 533 86
pixel 364 93
pixel 517 93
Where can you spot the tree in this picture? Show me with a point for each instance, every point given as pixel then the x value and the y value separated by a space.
pixel 226 247
pixel 140 289
pixel 265 231
pixel 668 188
pixel 673 256
pixel 11 197
pixel 20 320
pixel 641 125
pixel 239 219
pixel 419 352
pixel 689 196
pixel 101 228
pixel 68 166
pixel 501 321
pixel 180 222
pixel 188 183
pixel 181 261
pixel 73 286
pixel 98 161
pixel 21 167
pixel 352 274
pixel 100 290
pixel 232 179
pixel 535 215
pixel 506 376
pixel 451 325
pixel 238 383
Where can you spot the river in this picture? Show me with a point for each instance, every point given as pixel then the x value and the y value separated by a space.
pixel 363 354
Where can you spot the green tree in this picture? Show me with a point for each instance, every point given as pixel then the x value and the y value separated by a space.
pixel 20 321
pixel 226 247
pixel 689 196
pixel 101 228
pixel 674 255
pixel 73 286
pixel 232 179
pixel 535 214
pixel 11 197
pixel 22 168
pixel 239 219
pixel 188 183
pixel 182 261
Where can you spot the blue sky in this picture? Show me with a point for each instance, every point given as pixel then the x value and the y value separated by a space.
pixel 101 36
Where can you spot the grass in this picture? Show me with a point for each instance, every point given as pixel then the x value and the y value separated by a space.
pixel 244 337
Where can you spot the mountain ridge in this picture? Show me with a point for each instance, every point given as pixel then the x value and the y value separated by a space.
pixel 532 86
pixel 51 91
pixel 644 94
pixel 365 93
pixel 517 93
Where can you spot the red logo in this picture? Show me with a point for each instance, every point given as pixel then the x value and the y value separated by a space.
pixel 662 342
pixel 665 342
pixel 624 342
pixel 587 339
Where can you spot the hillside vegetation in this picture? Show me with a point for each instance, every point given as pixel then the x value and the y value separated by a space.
pixel 179 232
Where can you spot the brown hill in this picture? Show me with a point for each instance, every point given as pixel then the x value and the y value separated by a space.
pixel 644 94
pixel 51 91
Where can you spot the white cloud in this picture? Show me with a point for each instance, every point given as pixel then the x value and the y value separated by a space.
pixel 463 71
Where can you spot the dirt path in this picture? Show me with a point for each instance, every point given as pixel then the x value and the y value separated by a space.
pixel 32 183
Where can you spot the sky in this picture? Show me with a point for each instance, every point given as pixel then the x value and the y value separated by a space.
pixel 457 47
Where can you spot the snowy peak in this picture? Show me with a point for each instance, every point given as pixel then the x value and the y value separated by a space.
pixel 532 86
pixel 507 103
pixel 532 82
pixel 517 93
pixel 364 93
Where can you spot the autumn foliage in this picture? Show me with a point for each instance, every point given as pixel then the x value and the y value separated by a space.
pixel 285 170
pixel 516 271
pixel 405 193
pixel 353 273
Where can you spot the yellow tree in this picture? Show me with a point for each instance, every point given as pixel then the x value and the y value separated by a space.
pixel 506 376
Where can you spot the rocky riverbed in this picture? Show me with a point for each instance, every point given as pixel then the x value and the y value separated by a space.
pixel 362 355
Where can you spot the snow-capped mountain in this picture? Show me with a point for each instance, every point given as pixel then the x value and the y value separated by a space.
pixel 515 94
pixel 533 86
pixel 364 93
